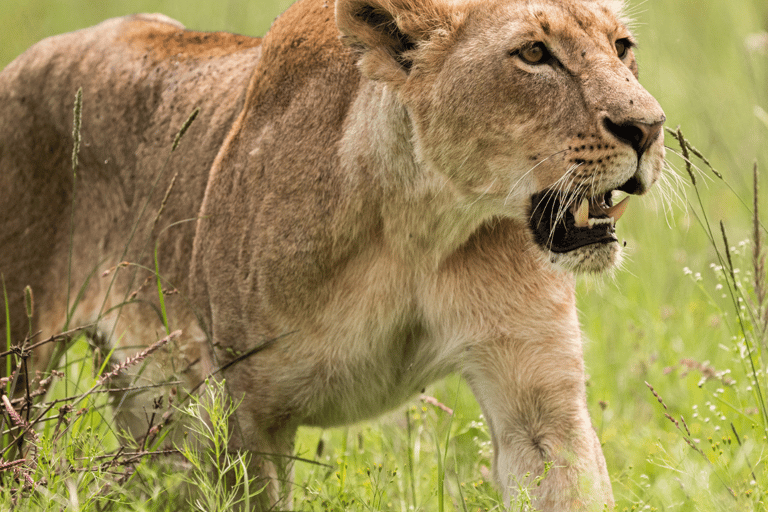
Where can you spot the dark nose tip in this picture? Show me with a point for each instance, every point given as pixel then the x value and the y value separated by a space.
pixel 635 133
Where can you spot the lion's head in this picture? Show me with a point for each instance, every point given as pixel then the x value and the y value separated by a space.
pixel 532 109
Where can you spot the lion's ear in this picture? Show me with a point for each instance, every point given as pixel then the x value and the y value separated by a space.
pixel 388 32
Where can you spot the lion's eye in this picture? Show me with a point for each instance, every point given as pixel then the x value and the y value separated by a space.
pixel 537 53
pixel 622 47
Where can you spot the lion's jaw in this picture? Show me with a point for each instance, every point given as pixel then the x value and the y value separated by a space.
pixel 544 143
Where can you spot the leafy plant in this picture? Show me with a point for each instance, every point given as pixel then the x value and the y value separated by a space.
pixel 220 477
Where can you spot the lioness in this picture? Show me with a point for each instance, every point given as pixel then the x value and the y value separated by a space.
pixel 375 194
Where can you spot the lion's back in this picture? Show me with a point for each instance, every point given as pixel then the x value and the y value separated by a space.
pixel 142 77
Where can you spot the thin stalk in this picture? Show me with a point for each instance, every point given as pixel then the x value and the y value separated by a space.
pixel 8 342
pixel 411 476
pixel 77 125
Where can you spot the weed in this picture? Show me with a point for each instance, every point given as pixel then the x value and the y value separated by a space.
pixel 727 431
pixel 220 477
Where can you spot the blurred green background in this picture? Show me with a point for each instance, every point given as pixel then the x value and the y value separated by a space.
pixel 706 61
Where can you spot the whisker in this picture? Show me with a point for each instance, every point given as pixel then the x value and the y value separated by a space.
pixel 698 169
pixel 449 177
pixel 674 188
pixel 671 172
pixel 564 194
pixel 482 195
pixel 661 191
pixel 515 185
pixel 566 201
pixel 553 193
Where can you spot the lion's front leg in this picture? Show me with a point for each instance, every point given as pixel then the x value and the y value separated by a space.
pixel 532 392
pixel 270 451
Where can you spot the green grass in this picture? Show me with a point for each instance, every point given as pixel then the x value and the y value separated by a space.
pixel 639 325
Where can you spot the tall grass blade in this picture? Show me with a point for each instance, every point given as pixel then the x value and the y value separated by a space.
pixel 77 123
pixel 8 341
pixel 29 306
pixel 184 129
pixel 76 127
pixel 440 475
pixel 160 293
pixel 758 264
pixel 6 438
pixel 409 439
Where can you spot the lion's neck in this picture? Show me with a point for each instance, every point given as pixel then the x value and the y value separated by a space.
pixel 423 215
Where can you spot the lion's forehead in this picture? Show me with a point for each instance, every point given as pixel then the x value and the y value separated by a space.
pixel 577 21
pixel 580 21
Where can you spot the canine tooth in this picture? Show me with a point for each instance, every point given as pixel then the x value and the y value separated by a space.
pixel 581 214
pixel 618 210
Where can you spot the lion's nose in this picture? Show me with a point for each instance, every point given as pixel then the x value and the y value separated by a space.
pixel 637 134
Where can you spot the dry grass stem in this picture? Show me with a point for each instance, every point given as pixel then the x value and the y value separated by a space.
pixel 67 335
pixel 686 159
pixel 184 129
pixel 119 368
pixel 758 262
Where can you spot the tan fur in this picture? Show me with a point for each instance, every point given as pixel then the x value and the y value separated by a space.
pixel 353 198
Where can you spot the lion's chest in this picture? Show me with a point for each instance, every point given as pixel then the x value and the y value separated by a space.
pixel 363 383
pixel 375 346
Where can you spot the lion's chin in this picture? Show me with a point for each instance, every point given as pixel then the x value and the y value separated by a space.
pixel 589 259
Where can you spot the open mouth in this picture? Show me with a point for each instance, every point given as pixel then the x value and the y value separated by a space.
pixel 562 223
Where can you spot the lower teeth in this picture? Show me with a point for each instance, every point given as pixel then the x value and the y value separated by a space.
pixel 595 222
pixel 613 213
